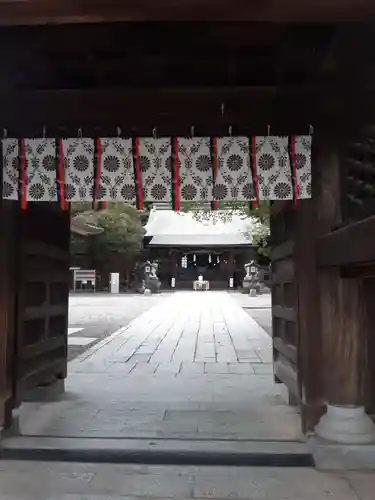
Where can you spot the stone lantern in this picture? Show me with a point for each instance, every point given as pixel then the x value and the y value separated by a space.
pixel 251 280
pixel 151 280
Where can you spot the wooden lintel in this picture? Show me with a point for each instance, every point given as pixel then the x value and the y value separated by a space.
pixel 170 110
pixel 358 271
pixel 352 244
pixel 30 12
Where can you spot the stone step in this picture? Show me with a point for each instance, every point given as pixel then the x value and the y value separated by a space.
pixel 158 451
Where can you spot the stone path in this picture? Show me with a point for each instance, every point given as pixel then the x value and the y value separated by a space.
pixel 64 481
pixel 94 316
pixel 259 308
pixel 195 366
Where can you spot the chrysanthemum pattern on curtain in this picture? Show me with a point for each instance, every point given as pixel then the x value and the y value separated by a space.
pixel 155 166
pixel 11 164
pixel 179 169
pixel 79 169
pixel 195 167
pixel 233 179
pixel 41 169
pixel 116 170
pixel 303 165
pixel 273 168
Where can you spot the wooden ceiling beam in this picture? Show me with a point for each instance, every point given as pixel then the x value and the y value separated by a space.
pixel 36 12
pixel 171 110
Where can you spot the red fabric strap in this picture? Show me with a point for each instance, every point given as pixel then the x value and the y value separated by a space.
pixel 23 174
pixel 294 168
pixel 61 180
pixel 138 179
pixel 255 173
pixel 98 171
pixel 176 172
pixel 214 169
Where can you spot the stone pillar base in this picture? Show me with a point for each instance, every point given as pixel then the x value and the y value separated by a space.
pixel 48 392
pixel 346 424
pixel 14 427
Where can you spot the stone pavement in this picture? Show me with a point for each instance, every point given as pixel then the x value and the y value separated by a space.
pixel 72 481
pixel 94 316
pixel 259 308
pixel 195 366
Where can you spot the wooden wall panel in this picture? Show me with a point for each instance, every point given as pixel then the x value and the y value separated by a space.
pixel 43 297
pixel 284 299
pixel 295 306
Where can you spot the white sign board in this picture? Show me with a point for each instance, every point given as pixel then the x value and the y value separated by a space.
pixel 114 282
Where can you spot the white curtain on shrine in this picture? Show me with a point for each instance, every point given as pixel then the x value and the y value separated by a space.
pixel 155 161
pixel 79 169
pixel 41 169
pixel 273 168
pixel 116 170
pixel 11 163
pixel 195 167
pixel 234 181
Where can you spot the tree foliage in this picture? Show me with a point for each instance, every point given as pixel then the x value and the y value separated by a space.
pixel 122 231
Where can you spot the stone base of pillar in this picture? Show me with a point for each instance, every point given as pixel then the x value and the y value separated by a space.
pixel 13 429
pixel 346 424
pixel 48 392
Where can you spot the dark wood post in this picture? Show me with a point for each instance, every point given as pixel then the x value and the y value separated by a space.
pixel 308 318
pixel 342 317
pixel 8 253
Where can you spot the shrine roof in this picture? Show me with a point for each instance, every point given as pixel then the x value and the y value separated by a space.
pixel 172 229
pixel 78 226
pixel 200 240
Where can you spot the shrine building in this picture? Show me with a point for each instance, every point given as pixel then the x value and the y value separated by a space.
pixel 187 247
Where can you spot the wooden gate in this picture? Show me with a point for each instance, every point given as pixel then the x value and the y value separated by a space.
pixel 42 301
pixel 295 307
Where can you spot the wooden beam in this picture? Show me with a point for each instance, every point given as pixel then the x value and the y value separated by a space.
pixel 171 110
pixel 352 244
pixel 29 12
pixel 283 312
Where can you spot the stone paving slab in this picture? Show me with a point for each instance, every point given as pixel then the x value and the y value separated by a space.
pixel 194 366
pixel 258 308
pixel 52 481
pixel 258 302
pixel 98 315
pixel 363 483
pixel 165 445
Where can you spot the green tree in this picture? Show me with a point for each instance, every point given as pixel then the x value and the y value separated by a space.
pixel 119 245
pixel 122 231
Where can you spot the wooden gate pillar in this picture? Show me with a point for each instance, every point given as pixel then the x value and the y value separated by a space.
pixel 343 333
pixel 8 263
pixel 344 354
